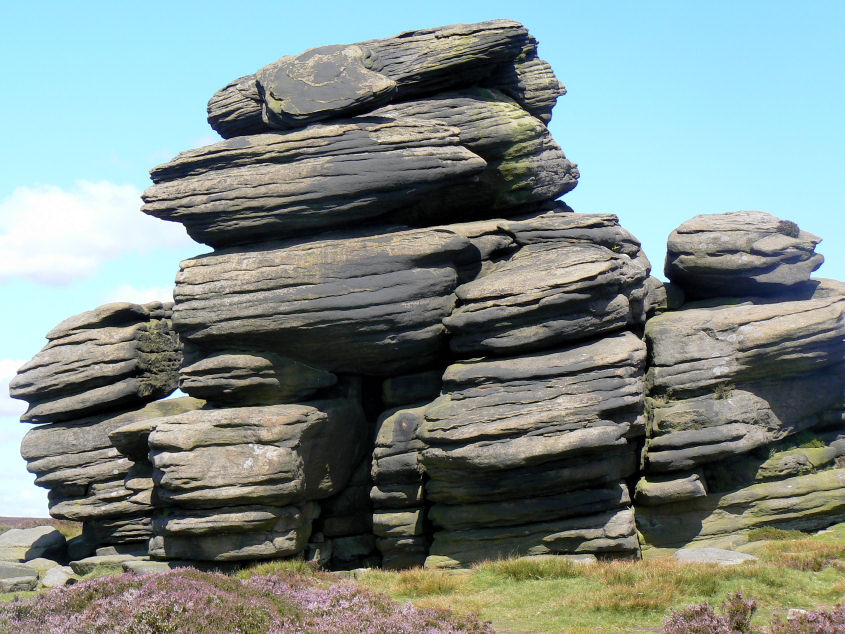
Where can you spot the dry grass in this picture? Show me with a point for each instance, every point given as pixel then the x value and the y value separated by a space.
pixel 555 595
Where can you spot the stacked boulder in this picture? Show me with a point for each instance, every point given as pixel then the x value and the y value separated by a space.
pixel 746 387
pixel 325 207
pixel 404 349
pixel 99 371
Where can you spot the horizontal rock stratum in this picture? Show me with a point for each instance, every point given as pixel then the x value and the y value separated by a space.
pixel 404 349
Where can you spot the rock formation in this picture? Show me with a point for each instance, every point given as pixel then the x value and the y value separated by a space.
pixel 405 350
pixel 746 393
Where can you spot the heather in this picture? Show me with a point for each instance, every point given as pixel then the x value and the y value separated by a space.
pixel 734 617
pixel 194 602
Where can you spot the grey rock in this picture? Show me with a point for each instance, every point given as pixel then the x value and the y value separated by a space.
pixel 58 576
pixel 74 454
pixel 252 378
pixel 530 81
pixel 88 565
pixel 740 253
pixel 136 550
pixel 535 409
pixel 407 389
pixel 529 510
pixel 545 295
pixel 101 500
pixel 468 155
pixel 126 530
pixel 116 356
pixel 398 523
pixel 89 480
pixel 700 348
pixel 403 552
pixel 287 536
pixel 23 544
pixel 396 453
pixel 523 162
pixel 653 490
pixel 712 556
pixel 16 577
pixel 130 437
pixel 806 502
pixel 369 305
pixel 331 81
pixel 352 548
pixel 146 567
pixel 234 519
pixel 605 533
pixel 390 495
pixel 42 565
pixel 285 454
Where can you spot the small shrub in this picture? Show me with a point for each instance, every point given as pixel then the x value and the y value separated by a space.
pixel 812 622
pixel 724 391
pixel 533 568
pixel 770 533
pixel 702 618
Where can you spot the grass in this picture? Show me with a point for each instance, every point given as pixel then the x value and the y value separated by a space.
pixel 552 595
pixel 795 570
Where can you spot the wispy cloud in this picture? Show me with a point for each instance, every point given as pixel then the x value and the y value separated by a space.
pixel 53 236
pixel 128 293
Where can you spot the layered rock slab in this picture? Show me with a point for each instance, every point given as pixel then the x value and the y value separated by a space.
pixel 89 479
pixel 740 253
pixel 113 357
pixel 467 154
pixel 736 389
pixel 368 305
pixel 509 438
pixel 332 81
pixel 287 456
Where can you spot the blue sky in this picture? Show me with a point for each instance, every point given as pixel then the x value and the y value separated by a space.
pixel 674 109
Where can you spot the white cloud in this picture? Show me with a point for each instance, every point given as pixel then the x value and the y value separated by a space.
pixel 128 293
pixel 54 236
pixel 9 406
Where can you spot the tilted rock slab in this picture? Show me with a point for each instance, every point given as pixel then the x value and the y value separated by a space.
pixel 370 305
pixel 740 253
pixel 333 81
pixel 456 156
pixel 384 304
pixel 252 378
pixel 544 295
pixel 215 469
pixel 698 348
pixel 516 447
pixel 114 357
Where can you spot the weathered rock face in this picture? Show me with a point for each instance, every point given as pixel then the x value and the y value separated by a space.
pixel 740 253
pixel 240 483
pixel 528 454
pixel 89 480
pixel 332 81
pixel 461 155
pixel 116 356
pixel 409 352
pixel 369 305
pixel 746 403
